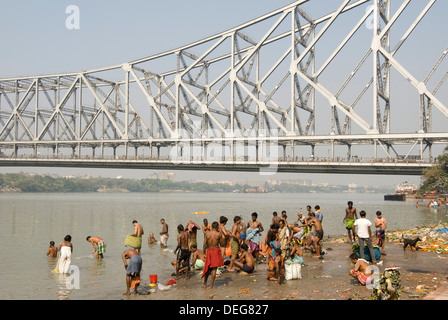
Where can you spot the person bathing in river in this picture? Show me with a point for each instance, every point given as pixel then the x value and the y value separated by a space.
pixel 99 246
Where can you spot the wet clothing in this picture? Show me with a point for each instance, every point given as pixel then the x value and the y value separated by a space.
pixel 184 254
pixel 135 266
pixel 213 260
pixel 101 247
pixel 349 223
pixel 65 260
pixel 247 269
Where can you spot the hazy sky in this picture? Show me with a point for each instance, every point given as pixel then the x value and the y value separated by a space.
pixel 35 40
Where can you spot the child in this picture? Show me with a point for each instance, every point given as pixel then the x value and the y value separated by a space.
pixel 361 269
pixel 297 252
pixel 276 267
pixel 52 250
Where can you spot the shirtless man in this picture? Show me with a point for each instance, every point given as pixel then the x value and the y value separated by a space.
pixel 151 238
pixel 235 238
pixel 361 271
pixel 225 234
pixel 316 234
pixel 275 218
pixel 254 224
pixel 182 250
pixel 52 250
pixel 98 244
pixel 214 256
pixel 197 258
pixel 138 232
pixel 349 219
pixel 243 230
pixel 206 227
pixel 133 269
pixel 380 225
pixel 246 262
pixel 164 234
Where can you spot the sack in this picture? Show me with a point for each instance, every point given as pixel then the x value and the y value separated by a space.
pixel 293 271
pixel 367 256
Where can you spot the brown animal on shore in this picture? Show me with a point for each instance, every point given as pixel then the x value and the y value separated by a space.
pixel 411 243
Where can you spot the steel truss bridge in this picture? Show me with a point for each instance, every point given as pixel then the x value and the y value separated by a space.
pixel 286 92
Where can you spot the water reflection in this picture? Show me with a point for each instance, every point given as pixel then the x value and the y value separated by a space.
pixel 62 292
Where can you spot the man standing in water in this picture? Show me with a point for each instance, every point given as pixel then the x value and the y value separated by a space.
pixel 214 257
pixel 164 234
pixel 99 246
pixel 350 216
pixel 138 232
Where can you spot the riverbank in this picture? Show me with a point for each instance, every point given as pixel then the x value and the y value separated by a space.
pixel 422 273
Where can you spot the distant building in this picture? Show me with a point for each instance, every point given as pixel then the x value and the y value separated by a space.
pixel 296 182
pixel 163 176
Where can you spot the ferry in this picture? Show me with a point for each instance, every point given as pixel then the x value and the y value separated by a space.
pixel 402 191
pixel 406 188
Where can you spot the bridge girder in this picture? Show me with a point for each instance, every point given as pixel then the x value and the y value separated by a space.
pixel 222 90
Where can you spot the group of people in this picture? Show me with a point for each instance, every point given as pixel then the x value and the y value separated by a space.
pixel 240 247
pixel 133 267
pixel 360 228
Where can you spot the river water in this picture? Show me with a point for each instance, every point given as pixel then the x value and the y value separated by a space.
pixel 30 221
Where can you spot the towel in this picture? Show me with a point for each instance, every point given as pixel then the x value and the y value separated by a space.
pixel 133 242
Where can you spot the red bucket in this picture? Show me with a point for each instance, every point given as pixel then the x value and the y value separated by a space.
pixel 153 278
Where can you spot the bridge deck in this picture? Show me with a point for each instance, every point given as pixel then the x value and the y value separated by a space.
pixel 263 167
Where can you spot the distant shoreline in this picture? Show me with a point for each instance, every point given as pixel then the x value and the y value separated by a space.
pixel 33 183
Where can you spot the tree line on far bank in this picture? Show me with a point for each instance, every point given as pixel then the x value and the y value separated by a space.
pixel 45 183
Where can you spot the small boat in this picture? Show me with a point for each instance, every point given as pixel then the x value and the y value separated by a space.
pixel 201 212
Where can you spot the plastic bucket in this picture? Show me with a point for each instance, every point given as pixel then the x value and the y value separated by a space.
pixel 153 278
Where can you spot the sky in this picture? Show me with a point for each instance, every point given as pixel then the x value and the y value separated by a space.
pixel 36 40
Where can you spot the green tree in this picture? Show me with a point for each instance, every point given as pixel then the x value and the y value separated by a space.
pixel 435 178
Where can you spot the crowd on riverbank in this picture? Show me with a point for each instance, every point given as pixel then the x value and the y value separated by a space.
pixel 242 247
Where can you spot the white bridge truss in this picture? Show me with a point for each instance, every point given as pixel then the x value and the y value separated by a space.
pixel 252 95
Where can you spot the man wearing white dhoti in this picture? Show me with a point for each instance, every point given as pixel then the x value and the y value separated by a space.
pixel 65 258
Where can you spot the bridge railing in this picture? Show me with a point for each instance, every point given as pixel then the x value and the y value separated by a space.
pixel 186 160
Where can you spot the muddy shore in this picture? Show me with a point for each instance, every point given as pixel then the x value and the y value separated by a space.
pixel 322 279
